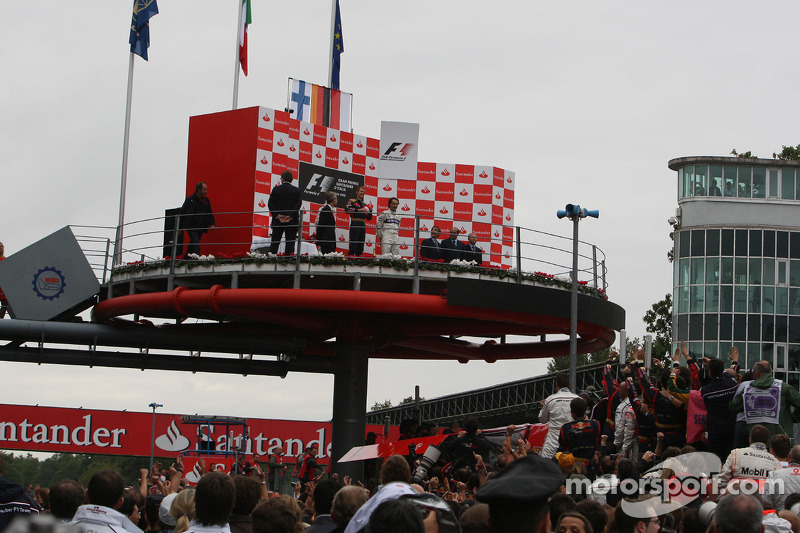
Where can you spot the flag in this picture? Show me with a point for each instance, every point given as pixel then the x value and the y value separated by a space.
pixel 245 21
pixel 143 11
pixel 338 48
pixel 320 105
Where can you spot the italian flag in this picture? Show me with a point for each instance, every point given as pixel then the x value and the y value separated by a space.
pixel 245 21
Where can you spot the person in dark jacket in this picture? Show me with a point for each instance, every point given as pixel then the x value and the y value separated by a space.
pixel 717 395
pixel 196 218
pixel 452 248
pixel 359 212
pixel 284 206
pixel 326 225
pixel 14 501
pixel 430 249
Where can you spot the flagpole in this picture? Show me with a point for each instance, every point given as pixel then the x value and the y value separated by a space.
pixel 124 180
pixel 236 64
pixel 330 49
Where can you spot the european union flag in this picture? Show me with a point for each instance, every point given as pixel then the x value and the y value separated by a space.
pixel 143 11
pixel 338 49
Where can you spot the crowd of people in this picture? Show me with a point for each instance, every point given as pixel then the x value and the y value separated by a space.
pixel 196 218
pixel 653 453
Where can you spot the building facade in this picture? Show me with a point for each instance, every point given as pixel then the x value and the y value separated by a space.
pixel 736 278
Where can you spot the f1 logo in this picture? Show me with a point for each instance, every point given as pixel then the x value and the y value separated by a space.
pixel 406 147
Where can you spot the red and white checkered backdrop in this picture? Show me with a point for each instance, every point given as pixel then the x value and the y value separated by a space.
pixel 474 198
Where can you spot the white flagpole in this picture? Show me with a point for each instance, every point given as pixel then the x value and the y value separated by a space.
pixel 236 63
pixel 124 180
pixel 330 48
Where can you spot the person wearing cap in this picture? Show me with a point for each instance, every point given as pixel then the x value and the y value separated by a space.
pixel 555 413
pixel 100 515
pixel 167 520
pixel 518 495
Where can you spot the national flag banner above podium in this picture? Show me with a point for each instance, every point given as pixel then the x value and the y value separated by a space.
pixel 241 154
pixel 320 105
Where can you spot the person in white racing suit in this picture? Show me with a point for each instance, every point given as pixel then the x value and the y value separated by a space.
pixel 753 463
pixel 556 412
pixel 388 226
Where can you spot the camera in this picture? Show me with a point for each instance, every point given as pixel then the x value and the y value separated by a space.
pixel 425 463
pixel 706 513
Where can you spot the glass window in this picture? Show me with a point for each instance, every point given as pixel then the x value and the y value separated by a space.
pixel 741 242
pixel 726 298
pixel 769 243
pixel 727 242
pixel 794 329
pixel 767 354
pixel 680 182
pixel 781 327
pixel 684 243
pixel 730 181
pixel 725 327
pixel 769 272
pixel 782 244
pixel 726 272
pixel 755 299
pixel 696 299
pixel 768 300
pixel 712 298
pixel 683 326
pixel 696 326
pixel 794 301
pixel 710 349
pixel 773 183
pixel 767 328
pixel 697 270
pixel 794 273
pixel 740 328
pixel 759 182
pixel 712 242
pixel 783 267
pixel 710 327
pixel 700 185
pixel 695 349
pixel 755 271
pixel 712 270
pixel 744 182
pixel 781 300
pixel 683 303
pixel 740 273
pixel 688 181
pixel 794 245
pixel 787 184
pixel 754 354
pixel 683 271
pixel 794 358
pixel 740 299
pixel 797 188
pixel 753 327
pixel 755 242
pixel 698 242
pixel 742 353
pixel 780 356
pixel 715 180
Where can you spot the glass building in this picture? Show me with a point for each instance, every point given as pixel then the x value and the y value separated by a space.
pixel 736 278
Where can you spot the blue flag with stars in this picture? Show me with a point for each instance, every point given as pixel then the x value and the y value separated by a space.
pixel 143 11
pixel 338 48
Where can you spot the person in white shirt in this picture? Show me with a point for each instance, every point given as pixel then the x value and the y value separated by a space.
pixel 625 425
pixel 556 412
pixel 214 497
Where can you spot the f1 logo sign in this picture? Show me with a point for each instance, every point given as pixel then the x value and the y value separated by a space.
pixel 406 147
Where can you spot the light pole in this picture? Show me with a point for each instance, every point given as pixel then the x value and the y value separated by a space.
pixel 575 213
pixel 154 405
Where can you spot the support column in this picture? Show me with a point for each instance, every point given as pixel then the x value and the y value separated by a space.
pixel 349 406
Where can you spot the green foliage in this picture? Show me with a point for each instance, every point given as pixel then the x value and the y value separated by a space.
pixel 557 364
pixel 377 406
pixel 789 153
pixel 743 154
pixel 659 323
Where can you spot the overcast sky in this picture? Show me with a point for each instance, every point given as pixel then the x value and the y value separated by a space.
pixel 585 101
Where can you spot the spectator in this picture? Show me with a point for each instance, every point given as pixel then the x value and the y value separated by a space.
pixel 624 523
pixel 776 416
pixel 465 446
pixel 594 513
pixel 309 467
pixel 129 508
pixel 717 395
pixel 452 248
pixel 214 497
pixel 475 519
pixel 395 468
pixel 164 514
pixel 430 249
pixel 196 218
pixel 669 412
pixel 277 515
pixel 13 500
pixel 326 225
pixel 346 503
pixel 605 486
pixel 105 497
pixel 779 446
pixel 65 498
pixel 738 513
pixel 555 413
pixel 625 424
pixel 753 462
pixel 324 492
pixel 183 510
pixel 573 523
pixel 396 516
pixel 248 494
pixel 284 206
pixel 775 494
pixel 580 436
pixel 242 466
pixel 560 504
pixel 152 507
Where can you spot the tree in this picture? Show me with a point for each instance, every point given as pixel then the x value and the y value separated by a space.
pixel 659 323
pixel 377 406
pixel 743 154
pixel 557 364
pixel 789 153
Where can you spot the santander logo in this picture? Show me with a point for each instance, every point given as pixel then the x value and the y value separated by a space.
pixel 264 160
pixel 405 207
pixel 444 211
pixel 387 187
pixel 292 148
pixel 508 180
pixel 173 441
pixel 360 144
pixel 463 230
pixel 369 244
pixel 261 204
pixel 508 217
pixel 424 228
pixel 404 247
pixel 371 166
pixel 463 192
pixel 497 196
pixel 341 238
pixel 507 255
pixel 280 142
pixel 497 234
pixel 333 138
pixel 266 118
pixel 481 213
pixel 445 172
pixel 370 206
pixel 425 190
pixel 484 174
pixel 319 155
pixel 306 132
pixel 345 160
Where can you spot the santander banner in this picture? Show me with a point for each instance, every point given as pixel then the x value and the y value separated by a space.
pixel 62 430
